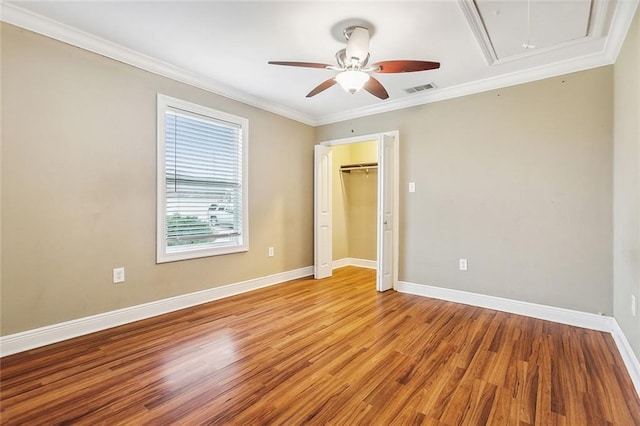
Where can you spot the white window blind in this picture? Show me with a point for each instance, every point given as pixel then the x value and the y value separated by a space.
pixel 202 181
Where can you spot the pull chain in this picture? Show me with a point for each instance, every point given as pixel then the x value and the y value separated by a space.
pixel 527 44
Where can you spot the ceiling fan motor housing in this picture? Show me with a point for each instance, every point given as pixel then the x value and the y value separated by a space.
pixel 357 50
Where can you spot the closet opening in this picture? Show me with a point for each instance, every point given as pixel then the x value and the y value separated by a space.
pixel 355 206
pixel 355 200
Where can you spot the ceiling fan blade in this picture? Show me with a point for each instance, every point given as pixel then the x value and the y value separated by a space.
pixel 358 44
pixel 376 88
pixel 405 66
pixel 300 64
pixel 322 87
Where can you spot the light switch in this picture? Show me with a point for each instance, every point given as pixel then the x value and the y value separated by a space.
pixel 118 275
pixel 462 264
pixel 412 187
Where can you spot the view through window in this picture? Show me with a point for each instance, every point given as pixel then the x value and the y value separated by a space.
pixel 201 181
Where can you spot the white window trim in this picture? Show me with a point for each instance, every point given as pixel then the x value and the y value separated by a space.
pixel 162 256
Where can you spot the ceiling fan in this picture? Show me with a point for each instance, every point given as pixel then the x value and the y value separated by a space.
pixel 352 64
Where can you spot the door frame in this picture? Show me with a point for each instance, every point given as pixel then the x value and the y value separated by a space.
pixel 395 188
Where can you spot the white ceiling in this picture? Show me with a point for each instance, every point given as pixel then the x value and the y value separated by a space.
pixel 225 46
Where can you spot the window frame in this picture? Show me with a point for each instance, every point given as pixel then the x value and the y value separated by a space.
pixel 162 254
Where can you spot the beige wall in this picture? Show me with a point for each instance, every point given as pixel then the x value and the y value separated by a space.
pixel 363 199
pixel 78 187
pixel 364 152
pixel 518 181
pixel 363 202
pixel 626 188
pixel 354 202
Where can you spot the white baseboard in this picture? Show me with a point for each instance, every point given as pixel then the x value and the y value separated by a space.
pixel 30 339
pixel 549 313
pixel 627 354
pixel 352 261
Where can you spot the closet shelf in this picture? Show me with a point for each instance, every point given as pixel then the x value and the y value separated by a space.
pixel 347 168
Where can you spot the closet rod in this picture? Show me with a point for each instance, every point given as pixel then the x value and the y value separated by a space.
pixel 361 166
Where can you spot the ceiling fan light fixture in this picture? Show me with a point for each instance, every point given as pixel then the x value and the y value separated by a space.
pixel 352 81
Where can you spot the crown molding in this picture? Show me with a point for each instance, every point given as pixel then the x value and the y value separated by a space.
pixel 492 83
pixel 600 10
pixel 477 28
pixel 23 18
pixel 621 21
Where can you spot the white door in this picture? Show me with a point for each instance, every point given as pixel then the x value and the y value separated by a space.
pixel 323 251
pixel 386 174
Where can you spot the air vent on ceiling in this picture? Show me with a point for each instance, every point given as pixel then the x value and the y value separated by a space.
pixel 422 88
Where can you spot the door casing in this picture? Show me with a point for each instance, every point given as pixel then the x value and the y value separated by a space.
pixel 394 187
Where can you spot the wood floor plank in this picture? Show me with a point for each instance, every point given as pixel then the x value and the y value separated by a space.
pixel 330 351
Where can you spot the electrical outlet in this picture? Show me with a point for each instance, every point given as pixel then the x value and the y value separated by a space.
pixel 633 305
pixel 271 251
pixel 118 275
pixel 462 264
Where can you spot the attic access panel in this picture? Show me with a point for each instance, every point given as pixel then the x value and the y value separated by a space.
pixel 503 26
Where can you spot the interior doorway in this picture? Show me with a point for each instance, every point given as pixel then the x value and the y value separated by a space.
pixel 355 197
pixel 360 158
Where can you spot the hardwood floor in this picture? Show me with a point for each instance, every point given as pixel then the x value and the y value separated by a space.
pixel 324 352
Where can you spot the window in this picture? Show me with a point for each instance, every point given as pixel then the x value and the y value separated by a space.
pixel 202 181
